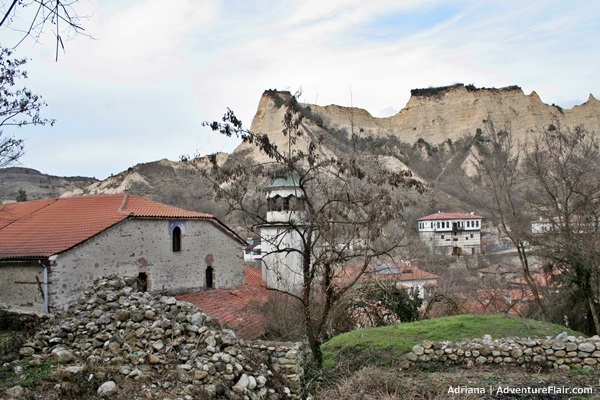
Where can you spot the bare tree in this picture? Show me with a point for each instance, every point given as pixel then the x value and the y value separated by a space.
pixel 498 188
pixel 564 172
pixel 346 212
pixel 18 106
pixel 29 18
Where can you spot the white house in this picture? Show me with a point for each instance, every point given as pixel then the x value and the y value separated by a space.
pixel 51 250
pixel 452 233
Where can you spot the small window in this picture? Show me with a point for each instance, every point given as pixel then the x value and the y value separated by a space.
pixel 286 204
pixel 176 239
pixel 442 236
pixel 209 277
pixel 142 282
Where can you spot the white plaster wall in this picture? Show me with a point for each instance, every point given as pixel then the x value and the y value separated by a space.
pixel 19 288
pixel 281 270
pixel 465 241
pixel 145 245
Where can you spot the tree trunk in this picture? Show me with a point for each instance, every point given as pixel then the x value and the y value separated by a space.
pixel 594 311
pixel 529 280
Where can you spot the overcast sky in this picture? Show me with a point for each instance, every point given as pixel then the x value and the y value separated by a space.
pixel 154 70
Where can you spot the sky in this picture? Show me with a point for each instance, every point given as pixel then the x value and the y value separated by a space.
pixel 137 87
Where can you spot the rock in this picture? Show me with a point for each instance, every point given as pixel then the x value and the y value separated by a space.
pixel 418 350
pixel 71 371
pixel 62 355
pixel 26 351
pixel 107 389
pixel 242 384
pixel 561 336
pixel 587 347
pixel 154 359
pixel 15 392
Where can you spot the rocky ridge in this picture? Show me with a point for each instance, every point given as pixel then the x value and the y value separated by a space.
pixel 36 184
pixel 116 334
pixel 432 136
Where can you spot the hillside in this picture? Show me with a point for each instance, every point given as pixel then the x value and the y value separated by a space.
pixel 431 136
pixel 36 184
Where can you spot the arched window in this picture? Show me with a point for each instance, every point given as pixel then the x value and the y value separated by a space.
pixel 176 239
pixel 209 277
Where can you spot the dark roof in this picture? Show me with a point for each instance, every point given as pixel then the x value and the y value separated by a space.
pixel 290 180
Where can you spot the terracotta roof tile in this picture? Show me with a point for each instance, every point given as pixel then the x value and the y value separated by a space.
pixel 236 308
pixel 253 276
pixel 13 211
pixel 42 228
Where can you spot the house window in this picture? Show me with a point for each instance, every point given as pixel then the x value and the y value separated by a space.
pixel 471 236
pixel 438 224
pixel 176 239
pixel 442 236
pixel 477 224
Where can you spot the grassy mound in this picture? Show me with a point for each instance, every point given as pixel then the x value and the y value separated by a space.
pixel 383 346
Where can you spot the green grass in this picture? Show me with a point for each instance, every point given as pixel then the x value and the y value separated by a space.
pixel 31 375
pixel 384 345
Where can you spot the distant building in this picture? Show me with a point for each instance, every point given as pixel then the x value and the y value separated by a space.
pixel 452 233
pixel 253 251
pixel 406 277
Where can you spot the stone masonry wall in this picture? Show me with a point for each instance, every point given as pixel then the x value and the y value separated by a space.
pixel 145 246
pixel 118 334
pixel 563 352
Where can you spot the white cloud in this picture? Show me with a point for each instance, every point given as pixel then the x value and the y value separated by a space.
pixel 158 69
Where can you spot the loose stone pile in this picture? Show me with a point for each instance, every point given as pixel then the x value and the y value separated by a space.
pixel 562 352
pixel 121 334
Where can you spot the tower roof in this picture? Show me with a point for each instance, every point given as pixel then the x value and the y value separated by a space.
pixel 291 180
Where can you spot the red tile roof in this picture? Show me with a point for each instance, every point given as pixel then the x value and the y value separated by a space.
pixel 13 211
pixel 236 308
pixel 253 276
pixel 405 274
pixel 39 229
pixel 445 215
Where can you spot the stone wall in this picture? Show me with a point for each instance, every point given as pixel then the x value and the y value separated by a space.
pixel 119 334
pixel 21 285
pixel 145 246
pixel 563 352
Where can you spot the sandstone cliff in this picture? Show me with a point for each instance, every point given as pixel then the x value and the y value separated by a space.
pixel 439 114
